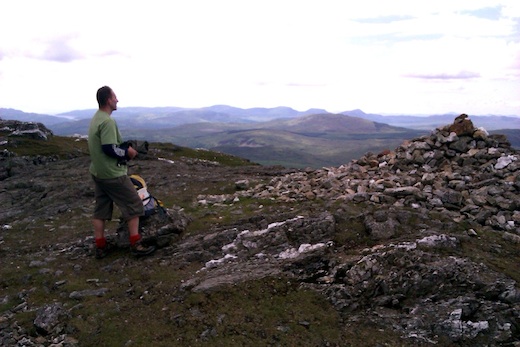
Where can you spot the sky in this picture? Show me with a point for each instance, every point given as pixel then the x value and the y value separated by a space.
pixel 380 56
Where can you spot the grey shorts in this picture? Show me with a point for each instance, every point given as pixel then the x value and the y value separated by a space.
pixel 119 191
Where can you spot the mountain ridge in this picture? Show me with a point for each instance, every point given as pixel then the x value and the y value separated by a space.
pixel 312 138
pixel 235 114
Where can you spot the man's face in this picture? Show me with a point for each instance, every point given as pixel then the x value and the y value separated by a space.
pixel 112 102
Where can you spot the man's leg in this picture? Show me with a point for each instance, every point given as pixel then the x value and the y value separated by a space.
pixel 99 236
pixel 137 248
pixel 102 211
pixel 133 230
pixel 99 228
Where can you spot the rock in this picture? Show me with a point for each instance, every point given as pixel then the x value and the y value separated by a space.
pixel 80 294
pixel 159 229
pixel 439 241
pixel 48 317
pixel 504 161
pixel 381 229
pixel 242 184
pixel 30 130
pixel 462 126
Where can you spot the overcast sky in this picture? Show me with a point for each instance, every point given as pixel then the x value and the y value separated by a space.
pixel 380 56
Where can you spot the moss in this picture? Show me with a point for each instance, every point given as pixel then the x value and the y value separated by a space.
pixel 60 146
pixel 68 147
pixel 490 248
pixel 261 312
pixel 176 152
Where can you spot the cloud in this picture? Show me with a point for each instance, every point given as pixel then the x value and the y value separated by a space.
pixel 298 84
pixel 60 50
pixel 492 13
pixel 333 54
pixel 382 19
pixel 446 76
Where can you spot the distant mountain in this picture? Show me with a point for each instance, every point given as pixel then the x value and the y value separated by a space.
pixel 491 122
pixel 307 141
pixel 47 120
pixel 160 117
pixel 322 124
pixel 72 122
pixel 279 135
pixel 263 114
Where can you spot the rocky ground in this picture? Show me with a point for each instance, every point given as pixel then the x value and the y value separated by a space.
pixel 414 246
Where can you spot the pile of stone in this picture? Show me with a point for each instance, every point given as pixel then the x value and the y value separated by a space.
pixel 458 170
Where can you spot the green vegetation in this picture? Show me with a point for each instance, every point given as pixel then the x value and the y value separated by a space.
pixel 60 146
pixel 173 152
pixel 68 147
pixel 148 306
pixel 313 143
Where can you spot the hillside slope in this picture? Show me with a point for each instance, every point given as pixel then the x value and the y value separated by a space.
pixel 416 246
pixel 312 138
pixel 309 141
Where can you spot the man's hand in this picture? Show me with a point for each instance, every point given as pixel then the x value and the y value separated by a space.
pixel 131 152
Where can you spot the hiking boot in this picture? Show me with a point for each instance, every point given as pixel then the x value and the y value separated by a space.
pixel 140 250
pixel 103 252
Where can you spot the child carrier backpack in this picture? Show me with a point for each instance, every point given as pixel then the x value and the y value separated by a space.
pixel 151 204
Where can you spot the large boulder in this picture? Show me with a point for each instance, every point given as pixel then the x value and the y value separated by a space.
pixel 158 229
pixel 31 130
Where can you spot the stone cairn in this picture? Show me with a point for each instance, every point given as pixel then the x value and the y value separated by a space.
pixel 458 170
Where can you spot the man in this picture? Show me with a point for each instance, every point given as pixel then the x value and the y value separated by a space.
pixel 109 172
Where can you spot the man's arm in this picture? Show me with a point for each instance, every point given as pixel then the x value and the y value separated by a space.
pixel 115 151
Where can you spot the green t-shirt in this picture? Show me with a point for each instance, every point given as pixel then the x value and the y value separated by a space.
pixel 103 131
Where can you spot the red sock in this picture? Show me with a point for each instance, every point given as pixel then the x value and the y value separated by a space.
pixel 134 239
pixel 101 242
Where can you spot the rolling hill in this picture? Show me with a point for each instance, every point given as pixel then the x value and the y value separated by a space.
pixel 280 135
pixel 308 141
pixel 431 122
